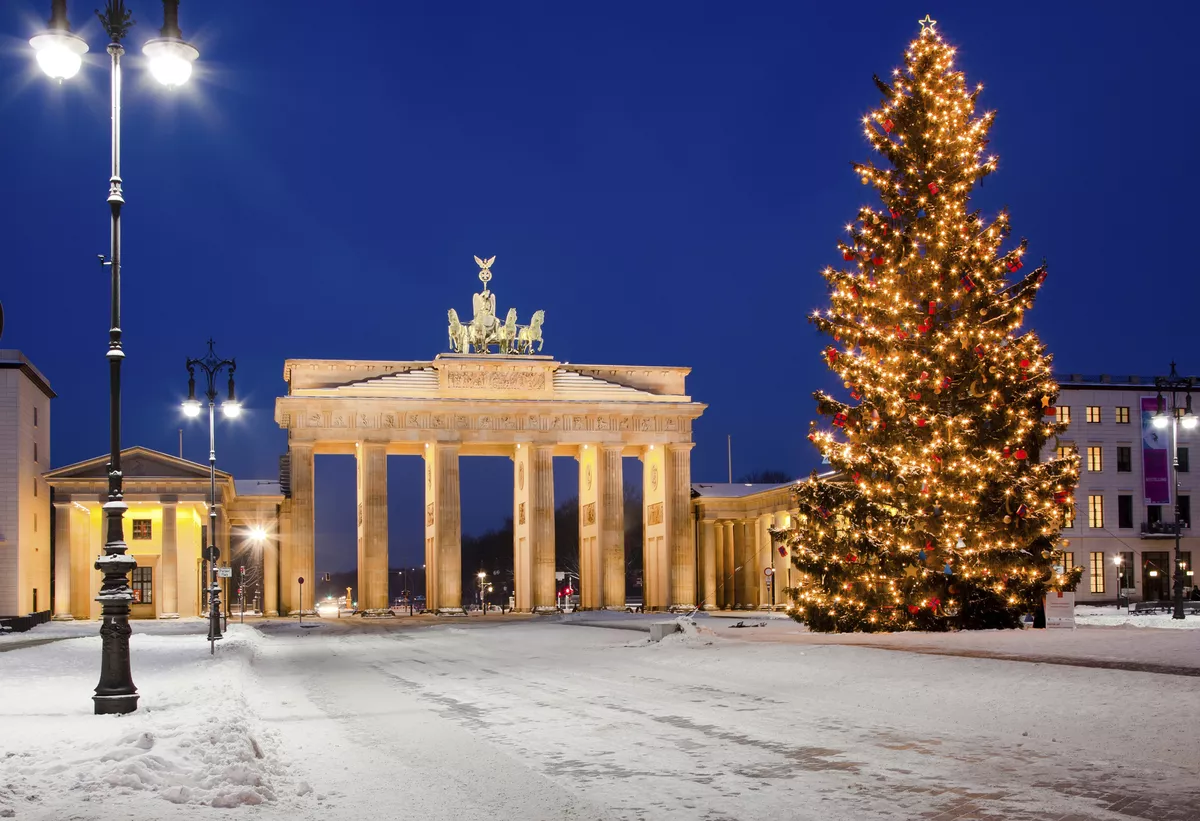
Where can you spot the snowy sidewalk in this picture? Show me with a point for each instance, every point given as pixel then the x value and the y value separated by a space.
pixel 538 721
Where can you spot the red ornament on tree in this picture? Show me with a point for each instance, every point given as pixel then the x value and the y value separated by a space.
pixel 1007 451
pixel 888 125
pixel 1015 265
pixel 877 261
pixel 932 308
pixel 1025 363
pixel 1021 454
pixel 933 189
pixel 968 284
pixel 914 396
pixel 1050 410
pixel 852 558
pixel 913 609
pixel 920 423
pixel 848 256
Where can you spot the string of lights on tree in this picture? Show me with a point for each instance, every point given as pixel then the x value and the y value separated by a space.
pixel 940 513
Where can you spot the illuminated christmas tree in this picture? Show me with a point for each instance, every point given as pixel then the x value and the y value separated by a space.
pixel 940 513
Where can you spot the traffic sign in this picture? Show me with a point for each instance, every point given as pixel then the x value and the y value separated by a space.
pixel 224 572
pixel 301 580
pixel 770 571
pixel 212 553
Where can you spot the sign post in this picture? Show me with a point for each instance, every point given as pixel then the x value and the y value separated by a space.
pixel 769 572
pixel 301 580
pixel 1060 609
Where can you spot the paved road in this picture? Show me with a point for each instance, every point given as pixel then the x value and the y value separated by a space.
pixel 544 721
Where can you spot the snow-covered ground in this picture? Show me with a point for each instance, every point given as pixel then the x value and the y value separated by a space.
pixel 518 719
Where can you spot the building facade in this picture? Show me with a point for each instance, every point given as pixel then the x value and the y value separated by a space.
pixel 25 396
pixel 1122 533
pixel 166 525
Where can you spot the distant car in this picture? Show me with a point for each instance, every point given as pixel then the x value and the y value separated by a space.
pixel 327 608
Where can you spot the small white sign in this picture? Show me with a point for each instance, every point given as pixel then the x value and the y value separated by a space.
pixel 224 572
pixel 1060 609
pixel 770 571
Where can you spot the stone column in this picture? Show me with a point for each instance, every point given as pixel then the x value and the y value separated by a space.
pixel 591 577
pixel 655 574
pixel 612 524
pixel 782 563
pixel 719 564
pixel 541 526
pixel 730 565
pixel 303 555
pixel 762 559
pixel 708 564
pixel 168 587
pixel 738 601
pixel 682 549
pixel 750 571
pixel 270 571
pixel 522 513
pixel 371 458
pixel 443 528
pixel 62 561
pixel 285 589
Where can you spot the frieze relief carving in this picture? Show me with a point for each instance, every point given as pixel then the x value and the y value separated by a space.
pixel 601 423
pixel 589 514
pixel 521 513
pixel 389 420
pixel 462 421
pixel 314 419
pixel 414 420
pixel 654 514
pixel 339 420
pixel 496 380
pixel 429 515
pixel 365 420
pixel 579 423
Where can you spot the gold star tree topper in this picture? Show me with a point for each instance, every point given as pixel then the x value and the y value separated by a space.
pixel 928 25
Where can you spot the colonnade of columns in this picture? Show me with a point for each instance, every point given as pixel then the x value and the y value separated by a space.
pixel 670 551
pixel 734 556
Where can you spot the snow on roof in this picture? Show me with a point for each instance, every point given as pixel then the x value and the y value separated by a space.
pixel 725 490
pixel 257 487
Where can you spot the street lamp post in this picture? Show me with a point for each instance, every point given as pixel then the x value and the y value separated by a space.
pixel 211 366
pixel 1174 384
pixel 60 55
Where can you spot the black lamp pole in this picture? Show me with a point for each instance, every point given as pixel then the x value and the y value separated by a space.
pixel 1174 384
pixel 211 366
pixel 116 692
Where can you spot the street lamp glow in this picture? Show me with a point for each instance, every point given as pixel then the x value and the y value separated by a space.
pixel 258 533
pixel 191 408
pixel 170 60
pixel 59 53
pixel 1159 421
pixel 231 409
pixel 1188 421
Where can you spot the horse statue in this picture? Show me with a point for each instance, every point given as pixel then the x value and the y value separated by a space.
pixel 506 334
pixel 528 334
pixel 458 333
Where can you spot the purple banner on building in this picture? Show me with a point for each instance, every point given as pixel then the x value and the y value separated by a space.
pixel 1156 456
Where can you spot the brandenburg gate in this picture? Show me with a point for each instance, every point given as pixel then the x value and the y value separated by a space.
pixel 515 403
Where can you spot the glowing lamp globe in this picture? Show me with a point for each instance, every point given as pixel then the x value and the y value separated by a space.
pixel 191 408
pixel 1159 421
pixel 1188 421
pixel 231 409
pixel 170 60
pixel 59 53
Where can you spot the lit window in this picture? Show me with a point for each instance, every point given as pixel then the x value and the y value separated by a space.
pixel 1069 516
pixel 142 582
pixel 141 529
pixel 1096 511
pixel 1097 574
pixel 1123 416
pixel 1068 561
pixel 1093 413
pixel 1062 414
pixel 1064 451
pixel 1095 459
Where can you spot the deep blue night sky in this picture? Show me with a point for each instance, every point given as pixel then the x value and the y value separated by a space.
pixel 665 179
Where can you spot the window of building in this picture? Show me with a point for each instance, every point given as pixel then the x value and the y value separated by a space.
pixel 1181 456
pixel 1124 511
pixel 142 582
pixel 1069 516
pixel 35 489
pixel 35 416
pixel 1126 569
pixel 1154 517
pixel 1123 416
pixel 1093 413
pixel 1185 510
pixel 141 529
pixel 1068 561
pixel 1096 510
pixel 1124 458
pixel 1097 572
pixel 1185 559
pixel 35 523
pixel 1063 451
pixel 35 451
pixel 1095 459
pixel 1062 413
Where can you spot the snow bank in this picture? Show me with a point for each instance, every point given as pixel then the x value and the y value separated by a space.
pixel 193 741
pixel 1094 616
